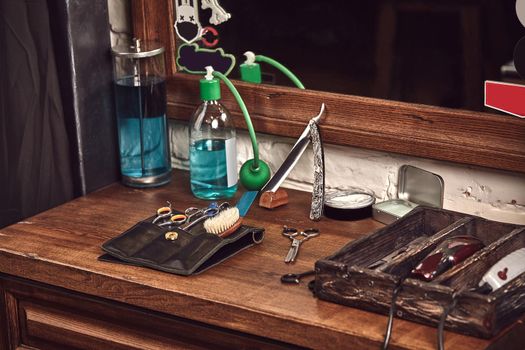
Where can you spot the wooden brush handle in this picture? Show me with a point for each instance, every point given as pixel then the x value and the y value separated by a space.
pixel 231 229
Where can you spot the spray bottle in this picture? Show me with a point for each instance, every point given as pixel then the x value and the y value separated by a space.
pixel 251 70
pixel 213 153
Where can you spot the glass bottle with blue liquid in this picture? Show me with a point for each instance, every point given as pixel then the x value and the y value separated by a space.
pixel 213 151
pixel 140 90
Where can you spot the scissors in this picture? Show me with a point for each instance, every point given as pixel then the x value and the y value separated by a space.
pixel 190 217
pixel 165 217
pixel 163 213
pixel 293 234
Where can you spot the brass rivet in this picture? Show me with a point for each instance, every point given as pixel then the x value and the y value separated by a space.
pixel 171 236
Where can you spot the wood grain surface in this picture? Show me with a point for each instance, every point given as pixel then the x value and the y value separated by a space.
pixel 60 247
pixel 424 131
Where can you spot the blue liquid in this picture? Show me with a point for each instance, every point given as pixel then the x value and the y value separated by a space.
pixel 209 170
pixel 143 141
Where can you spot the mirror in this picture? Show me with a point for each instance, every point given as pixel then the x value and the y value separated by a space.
pixel 420 51
pixel 421 130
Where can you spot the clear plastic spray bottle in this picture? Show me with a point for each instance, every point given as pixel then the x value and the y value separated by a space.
pixel 213 151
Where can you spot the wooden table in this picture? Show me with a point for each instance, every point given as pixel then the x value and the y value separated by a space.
pixel 57 294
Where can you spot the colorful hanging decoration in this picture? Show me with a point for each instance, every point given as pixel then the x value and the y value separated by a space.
pixel 218 14
pixel 193 59
pixel 187 23
pixel 212 39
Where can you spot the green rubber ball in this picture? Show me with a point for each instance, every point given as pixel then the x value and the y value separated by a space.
pixel 254 179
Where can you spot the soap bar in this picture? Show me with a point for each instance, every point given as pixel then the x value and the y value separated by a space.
pixel 272 200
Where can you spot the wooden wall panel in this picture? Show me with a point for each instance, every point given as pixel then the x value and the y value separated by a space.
pixel 424 131
pixel 151 21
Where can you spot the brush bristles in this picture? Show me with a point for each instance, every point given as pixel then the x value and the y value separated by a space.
pixel 222 221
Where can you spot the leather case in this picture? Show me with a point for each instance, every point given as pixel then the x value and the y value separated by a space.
pixel 193 252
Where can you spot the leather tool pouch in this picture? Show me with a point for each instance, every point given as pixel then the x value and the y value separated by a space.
pixel 193 251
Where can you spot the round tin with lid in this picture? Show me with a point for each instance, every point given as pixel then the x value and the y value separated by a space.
pixel 350 204
pixel 138 49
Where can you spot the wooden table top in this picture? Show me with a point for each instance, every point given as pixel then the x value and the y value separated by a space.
pixel 60 247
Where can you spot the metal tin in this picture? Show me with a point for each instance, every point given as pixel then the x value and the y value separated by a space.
pixel 351 204
pixel 416 187
pixel 420 186
pixel 138 49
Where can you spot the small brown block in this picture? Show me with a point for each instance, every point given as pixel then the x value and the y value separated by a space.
pixel 272 200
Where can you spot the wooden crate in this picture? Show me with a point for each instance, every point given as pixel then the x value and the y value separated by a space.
pixel 345 278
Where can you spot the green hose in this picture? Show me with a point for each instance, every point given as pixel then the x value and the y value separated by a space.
pixel 255 164
pixel 279 66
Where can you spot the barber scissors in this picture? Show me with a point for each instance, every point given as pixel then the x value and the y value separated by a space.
pixel 166 217
pixel 190 217
pixel 297 238
pixel 163 213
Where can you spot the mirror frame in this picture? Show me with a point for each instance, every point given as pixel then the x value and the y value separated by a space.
pixel 461 136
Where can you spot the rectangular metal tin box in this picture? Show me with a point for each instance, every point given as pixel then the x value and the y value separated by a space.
pixel 416 187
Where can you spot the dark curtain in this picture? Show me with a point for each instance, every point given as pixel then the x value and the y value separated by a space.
pixel 35 165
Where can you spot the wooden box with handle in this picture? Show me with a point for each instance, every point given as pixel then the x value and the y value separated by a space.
pixel 365 272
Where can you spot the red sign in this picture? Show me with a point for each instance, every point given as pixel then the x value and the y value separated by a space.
pixel 505 97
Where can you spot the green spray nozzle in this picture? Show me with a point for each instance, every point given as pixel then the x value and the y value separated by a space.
pixel 251 71
pixel 254 173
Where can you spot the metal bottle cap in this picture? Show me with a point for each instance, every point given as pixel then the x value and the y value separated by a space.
pixel 138 49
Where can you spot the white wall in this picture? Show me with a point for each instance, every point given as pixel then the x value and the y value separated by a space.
pixel 492 194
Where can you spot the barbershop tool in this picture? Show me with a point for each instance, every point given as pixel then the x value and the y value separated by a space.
pixel 254 173
pixel 292 158
pixel 140 95
pixel 163 213
pixel 502 272
pixel 203 214
pixel 224 223
pixel 350 204
pixel 191 216
pixel 206 214
pixel 175 219
pixel 295 278
pixel 316 208
pixel 165 216
pixel 507 268
pixel 448 253
pixel 212 147
pixel 293 234
pixel 229 220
